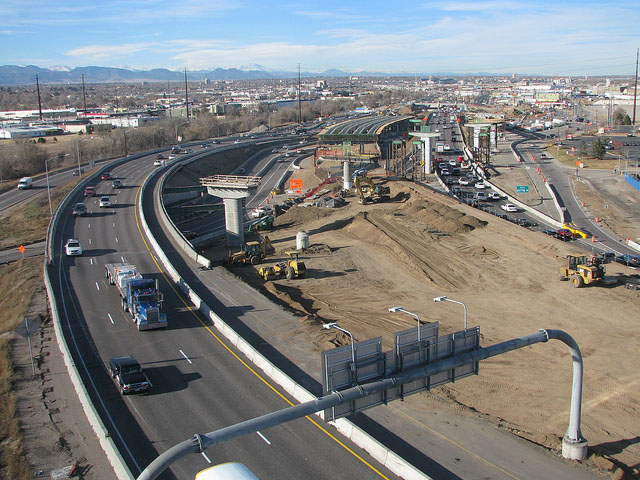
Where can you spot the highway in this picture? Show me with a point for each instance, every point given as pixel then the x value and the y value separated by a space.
pixel 199 383
pixel 561 178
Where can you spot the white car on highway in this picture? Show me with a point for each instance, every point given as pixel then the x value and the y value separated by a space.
pixel 72 247
pixel 105 202
pixel 261 211
pixel 509 207
pixel 479 184
pixel 463 181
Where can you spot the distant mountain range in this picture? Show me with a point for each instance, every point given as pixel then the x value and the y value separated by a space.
pixel 26 75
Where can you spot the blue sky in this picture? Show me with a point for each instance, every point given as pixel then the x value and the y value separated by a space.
pixel 546 37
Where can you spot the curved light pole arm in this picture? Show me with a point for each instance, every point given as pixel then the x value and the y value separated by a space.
pixel 574 445
pixel 463 306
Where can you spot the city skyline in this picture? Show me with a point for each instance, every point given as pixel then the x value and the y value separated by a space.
pixel 544 37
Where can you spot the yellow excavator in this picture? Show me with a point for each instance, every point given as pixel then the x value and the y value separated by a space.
pixel 369 192
pixel 292 268
pixel 253 253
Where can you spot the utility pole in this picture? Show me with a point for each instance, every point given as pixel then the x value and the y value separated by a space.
pixel 39 101
pixel 635 91
pixel 116 88
pixel 299 105
pixel 84 95
pixel 186 92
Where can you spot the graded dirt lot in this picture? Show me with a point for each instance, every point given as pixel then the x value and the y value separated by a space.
pixel 364 259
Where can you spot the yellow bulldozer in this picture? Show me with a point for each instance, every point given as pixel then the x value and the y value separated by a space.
pixel 253 253
pixel 292 268
pixel 583 270
pixel 369 192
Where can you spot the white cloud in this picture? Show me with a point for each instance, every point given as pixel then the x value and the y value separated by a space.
pixel 101 52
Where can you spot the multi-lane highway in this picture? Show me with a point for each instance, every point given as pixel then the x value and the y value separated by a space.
pixel 199 384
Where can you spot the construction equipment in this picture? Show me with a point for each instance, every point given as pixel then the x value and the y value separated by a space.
pixel 578 232
pixel 369 192
pixel 264 223
pixel 292 268
pixel 252 253
pixel 583 270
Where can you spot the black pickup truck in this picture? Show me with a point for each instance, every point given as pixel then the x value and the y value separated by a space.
pixel 128 374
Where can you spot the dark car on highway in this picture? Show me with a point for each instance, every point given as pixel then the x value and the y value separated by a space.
pixel 524 222
pixel 128 374
pixel 607 257
pixel 106 176
pixel 629 260
pixel 79 210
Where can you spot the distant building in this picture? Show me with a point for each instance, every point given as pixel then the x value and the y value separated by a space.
pixel 29 131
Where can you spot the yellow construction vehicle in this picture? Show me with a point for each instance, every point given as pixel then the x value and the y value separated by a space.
pixel 252 253
pixel 292 268
pixel 369 192
pixel 583 270
pixel 577 232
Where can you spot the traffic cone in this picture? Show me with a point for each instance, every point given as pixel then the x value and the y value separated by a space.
pixel 593 238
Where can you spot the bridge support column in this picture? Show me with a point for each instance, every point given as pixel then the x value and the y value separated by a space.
pixel 233 189
pixel 233 222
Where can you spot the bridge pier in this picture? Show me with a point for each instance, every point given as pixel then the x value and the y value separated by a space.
pixel 232 189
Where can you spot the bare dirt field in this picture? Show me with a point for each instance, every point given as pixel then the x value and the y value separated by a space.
pixel 366 258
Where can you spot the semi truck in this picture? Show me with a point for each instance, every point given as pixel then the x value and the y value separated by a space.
pixel 138 295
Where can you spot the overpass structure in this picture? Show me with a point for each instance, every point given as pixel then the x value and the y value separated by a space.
pixel 359 140
pixel 363 129
pixel 233 189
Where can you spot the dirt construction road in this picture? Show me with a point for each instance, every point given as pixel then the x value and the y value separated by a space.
pixel 366 258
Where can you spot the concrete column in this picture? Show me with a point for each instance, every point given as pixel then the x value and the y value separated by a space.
pixel 428 159
pixel 346 172
pixel 233 221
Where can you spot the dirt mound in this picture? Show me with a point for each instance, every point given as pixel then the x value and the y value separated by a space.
pixel 297 216
pixel 437 216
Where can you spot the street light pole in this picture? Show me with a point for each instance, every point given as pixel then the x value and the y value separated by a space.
pixel 446 299
pixel 353 352
pixel 400 309
pixel 46 169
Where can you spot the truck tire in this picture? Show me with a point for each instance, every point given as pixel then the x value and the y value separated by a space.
pixel 577 281
pixel 254 260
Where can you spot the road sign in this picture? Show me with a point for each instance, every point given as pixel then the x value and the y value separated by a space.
pixel 522 188
pixel 295 183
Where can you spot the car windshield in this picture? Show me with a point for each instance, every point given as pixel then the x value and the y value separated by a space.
pixel 73 244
